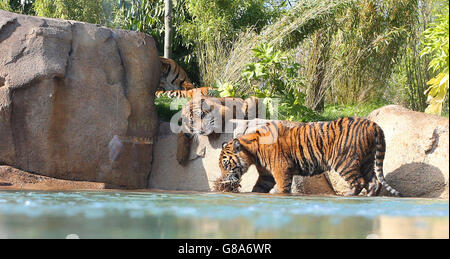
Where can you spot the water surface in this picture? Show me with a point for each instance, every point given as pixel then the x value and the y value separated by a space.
pixel 118 214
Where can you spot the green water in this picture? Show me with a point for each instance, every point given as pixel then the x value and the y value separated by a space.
pixel 30 214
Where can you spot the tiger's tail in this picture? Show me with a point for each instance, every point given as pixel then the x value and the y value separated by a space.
pixel 379 157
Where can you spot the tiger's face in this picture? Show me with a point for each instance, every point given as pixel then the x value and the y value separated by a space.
pixel 200 116
pixel 234 160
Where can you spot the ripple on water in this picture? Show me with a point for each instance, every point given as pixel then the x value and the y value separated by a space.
pixel 212 205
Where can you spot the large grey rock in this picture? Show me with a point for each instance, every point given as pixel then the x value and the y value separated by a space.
pixel 416 161
pixel 66 89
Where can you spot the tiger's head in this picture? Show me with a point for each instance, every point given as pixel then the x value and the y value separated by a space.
pixel 234 160
pixel 200 114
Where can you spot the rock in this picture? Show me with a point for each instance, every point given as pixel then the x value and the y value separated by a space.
pixel 14 179
pixel 417 144
pixel 416 160
pixel 198 174
pixel 67 89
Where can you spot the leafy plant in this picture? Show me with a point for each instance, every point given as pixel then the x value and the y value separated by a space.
pixel 80 10
pixel 436 45
pixel 273 75
pixel 225 89
pixel 148 16
pixel 18 6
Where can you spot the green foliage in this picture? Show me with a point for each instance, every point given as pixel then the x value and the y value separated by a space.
pixel 273 75
pixel 225 89
pixel 285 33
pixel 223 18
pixel 366 46
pixel 216 24
pixel 436 45
pixel 148 16
pixel 90 11
pixel 167 107
pixel 18 6
pixel 333 112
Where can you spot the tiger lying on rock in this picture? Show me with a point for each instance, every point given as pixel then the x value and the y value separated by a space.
pixel 173 76
pixel 206 116
pixel 353 147
pixel 203 91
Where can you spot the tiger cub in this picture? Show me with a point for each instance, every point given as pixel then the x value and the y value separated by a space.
pixel 173 76
pixel 203 91
pixel 208 115
pixel 353 147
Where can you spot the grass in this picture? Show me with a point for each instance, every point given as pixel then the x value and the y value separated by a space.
pixel 331 112
pixel 164 109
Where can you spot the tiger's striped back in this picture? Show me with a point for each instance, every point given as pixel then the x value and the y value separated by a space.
pixel 173 76
pixel 202 91
pixel 353 147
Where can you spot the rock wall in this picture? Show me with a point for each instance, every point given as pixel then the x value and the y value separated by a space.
pixel 416 160
pixel 66 89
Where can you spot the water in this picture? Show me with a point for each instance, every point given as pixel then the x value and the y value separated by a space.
pixel 117 214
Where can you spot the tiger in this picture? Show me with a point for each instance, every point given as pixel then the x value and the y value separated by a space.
pixel 353 147
pixel 173 76
pixel 203 91
pixel 200 116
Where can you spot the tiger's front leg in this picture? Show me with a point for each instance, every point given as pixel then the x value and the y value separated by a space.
pixel 264 184
pixel 283 180
pixel 183 148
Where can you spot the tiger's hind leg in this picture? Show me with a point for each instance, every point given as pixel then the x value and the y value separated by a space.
pixel 354 177
pixel 367 169
pixel 373 185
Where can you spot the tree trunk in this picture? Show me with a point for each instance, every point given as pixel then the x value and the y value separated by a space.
pixel 168 28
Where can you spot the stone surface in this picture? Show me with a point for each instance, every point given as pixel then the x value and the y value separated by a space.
pixel 199 172
pixel 417 150
pixel 66 89
pixel 416 161
pixel 14 179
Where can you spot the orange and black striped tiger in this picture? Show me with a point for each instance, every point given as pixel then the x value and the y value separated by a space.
pixel 353 147
pixel 208 115
pixel 203 91
pixel 173 76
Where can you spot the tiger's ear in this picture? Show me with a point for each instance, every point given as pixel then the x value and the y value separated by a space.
pixel 237 146
pixel 224 144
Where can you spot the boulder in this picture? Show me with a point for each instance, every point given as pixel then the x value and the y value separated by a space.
pixel 14 179
pixel 417 145
pixel 67 90
pixel 416 160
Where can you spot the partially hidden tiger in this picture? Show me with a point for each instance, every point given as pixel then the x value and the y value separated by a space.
pixel 208 116
pixel 173 76
pixel 203 91
pixel 353 147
